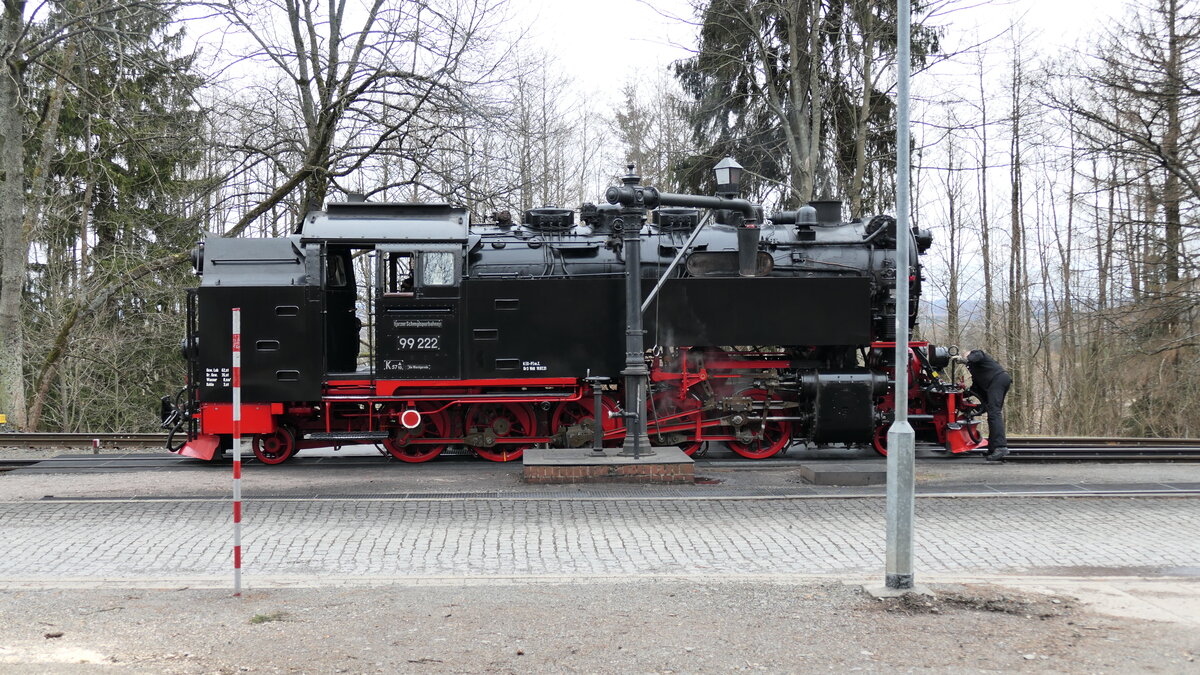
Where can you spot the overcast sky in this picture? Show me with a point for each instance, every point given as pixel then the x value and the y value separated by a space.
pixel 601 43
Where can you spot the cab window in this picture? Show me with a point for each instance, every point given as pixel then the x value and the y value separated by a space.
pixel 437 268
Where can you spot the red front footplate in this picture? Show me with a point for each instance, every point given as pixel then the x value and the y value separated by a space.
pixel 202 447
pixel 958 438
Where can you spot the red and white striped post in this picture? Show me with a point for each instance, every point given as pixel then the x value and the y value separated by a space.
pixel 237 451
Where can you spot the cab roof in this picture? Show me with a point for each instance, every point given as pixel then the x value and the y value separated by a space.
pixel 377 222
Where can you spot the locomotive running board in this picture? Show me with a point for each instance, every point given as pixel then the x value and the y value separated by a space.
pixel 347 436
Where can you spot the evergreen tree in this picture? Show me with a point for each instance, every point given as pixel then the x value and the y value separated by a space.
pixel 116 176
pixel 792 89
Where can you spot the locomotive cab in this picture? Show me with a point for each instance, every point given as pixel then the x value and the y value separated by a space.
pixel 417 310
pixel 411 258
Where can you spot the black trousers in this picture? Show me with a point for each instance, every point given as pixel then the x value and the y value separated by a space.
pixel 993 401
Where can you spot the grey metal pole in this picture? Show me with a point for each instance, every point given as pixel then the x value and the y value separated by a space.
pixel 597 383
pixel 901 442
pixel 637 441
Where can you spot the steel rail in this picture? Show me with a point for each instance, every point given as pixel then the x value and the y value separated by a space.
pixel 1098 441
pixel 1020 447
pixel 1106 454
pixel 82 440
pixel 14 464
pixel 1037 455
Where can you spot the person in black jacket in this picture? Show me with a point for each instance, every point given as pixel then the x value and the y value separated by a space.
pixel 990 383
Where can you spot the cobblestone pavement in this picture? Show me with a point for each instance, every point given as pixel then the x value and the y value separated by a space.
pixel 468 538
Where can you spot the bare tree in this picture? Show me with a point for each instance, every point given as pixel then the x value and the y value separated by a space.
pixel 1146 110
pixel 382 80
pixel 1014 335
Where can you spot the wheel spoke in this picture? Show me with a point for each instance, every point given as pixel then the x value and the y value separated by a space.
pixel 667 404
pixel 433 425
pixel 776 433
pixel 500 421
pixel 274 448
pixel 569 417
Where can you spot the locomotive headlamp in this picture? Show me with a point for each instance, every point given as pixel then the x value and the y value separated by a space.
pixel 729 176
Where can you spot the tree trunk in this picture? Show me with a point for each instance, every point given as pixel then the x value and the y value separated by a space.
pixel 13 243
pixel 48 132
pixel 799 109
pixel 1141 261
pixel 1170 147
pixel 864 113
pixel 1013 343
pixel 1067 365
pixel 816 109
pixel 989 324
pixel 50 368
pixel 952 227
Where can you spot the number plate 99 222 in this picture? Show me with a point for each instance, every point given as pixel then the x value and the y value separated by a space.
pixel 418 343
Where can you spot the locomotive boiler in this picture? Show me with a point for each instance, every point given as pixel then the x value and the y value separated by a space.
pixel 408 327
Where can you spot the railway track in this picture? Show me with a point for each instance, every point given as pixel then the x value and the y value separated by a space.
pixel 1050 448
pixel 1022 448
pixel 85 440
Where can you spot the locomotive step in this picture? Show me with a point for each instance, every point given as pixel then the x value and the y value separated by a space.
pixel 348 436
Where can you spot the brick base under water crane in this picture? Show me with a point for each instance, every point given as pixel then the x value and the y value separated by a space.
pixel 580 465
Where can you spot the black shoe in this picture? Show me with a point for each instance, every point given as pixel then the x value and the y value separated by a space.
pixel 996 455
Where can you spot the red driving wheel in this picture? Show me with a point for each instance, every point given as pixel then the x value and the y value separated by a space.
pixel 502 420
pixel 880 439
pixel 274 448
pixel 771 438
pixel 582 412
pixel 431 425
pixel 668 410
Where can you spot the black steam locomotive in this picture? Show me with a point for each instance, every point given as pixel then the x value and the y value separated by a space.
pixel 405 326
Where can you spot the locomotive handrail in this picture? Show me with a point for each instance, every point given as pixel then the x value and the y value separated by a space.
pixel 254 261
pixel 458 398
pixel 476 274
pixel 814 244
